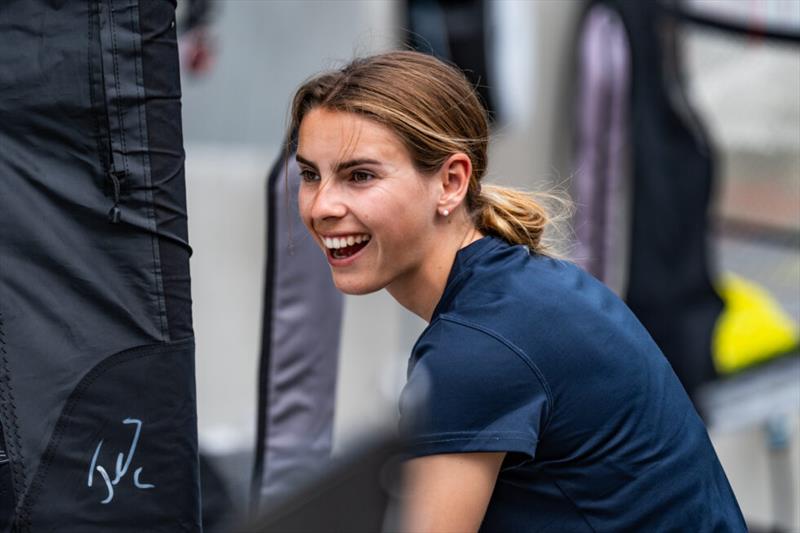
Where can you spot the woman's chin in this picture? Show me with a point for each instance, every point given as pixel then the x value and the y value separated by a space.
pixel 354 287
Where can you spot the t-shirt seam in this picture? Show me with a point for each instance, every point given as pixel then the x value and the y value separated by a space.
pixel 424 334
pixel 527 441
pixel 514 349
pixel 569 498
pixel 464 435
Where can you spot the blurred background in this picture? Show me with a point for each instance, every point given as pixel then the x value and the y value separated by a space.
pixel 730 73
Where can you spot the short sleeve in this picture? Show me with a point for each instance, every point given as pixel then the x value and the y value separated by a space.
pixel 470 391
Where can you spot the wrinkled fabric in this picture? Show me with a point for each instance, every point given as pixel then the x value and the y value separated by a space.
pixel 97 392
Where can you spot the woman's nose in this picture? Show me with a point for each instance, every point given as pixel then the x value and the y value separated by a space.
pixel 328 202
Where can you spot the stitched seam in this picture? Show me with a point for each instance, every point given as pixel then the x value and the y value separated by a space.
pixel 113 185
pixel 11 428
pixel 117 85
pixel 519 353
pixel 468 433
pixel 86 382
pixel 423 440
pixel 92 95
pixel 511 346
pixel 162 306
pixel 424 333
pixel 570 500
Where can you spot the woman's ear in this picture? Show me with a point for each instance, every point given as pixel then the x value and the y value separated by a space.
pixel 455 175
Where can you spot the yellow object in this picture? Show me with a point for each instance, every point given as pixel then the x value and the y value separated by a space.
pixel 751 328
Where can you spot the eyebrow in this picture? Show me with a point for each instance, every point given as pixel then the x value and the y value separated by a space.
pixel 340 166
pixel 303 160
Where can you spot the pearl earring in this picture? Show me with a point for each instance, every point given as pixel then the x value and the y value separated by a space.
pixel 445 212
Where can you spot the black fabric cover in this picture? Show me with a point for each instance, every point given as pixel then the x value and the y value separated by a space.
pixel 669 285
pixel 96 341
pixel 454 31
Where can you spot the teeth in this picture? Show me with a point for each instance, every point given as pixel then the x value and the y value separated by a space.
pixel 342 242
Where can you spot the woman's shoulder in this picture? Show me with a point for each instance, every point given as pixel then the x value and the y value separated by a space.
pixel 552 312
pixel 453 345
pixel 505 270
pixel 509 288
pixel 469 389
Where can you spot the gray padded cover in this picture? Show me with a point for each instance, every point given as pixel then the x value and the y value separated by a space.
pixel 302 321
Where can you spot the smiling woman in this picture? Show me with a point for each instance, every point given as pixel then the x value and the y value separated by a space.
pixel 534 398
pixel 360 182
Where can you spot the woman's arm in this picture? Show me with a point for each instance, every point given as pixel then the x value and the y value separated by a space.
pixel 448 492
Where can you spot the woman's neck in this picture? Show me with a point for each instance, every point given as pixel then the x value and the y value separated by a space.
pixel 421 291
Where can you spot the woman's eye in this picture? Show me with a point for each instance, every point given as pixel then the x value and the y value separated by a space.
pixel 309 175
pixel 359 176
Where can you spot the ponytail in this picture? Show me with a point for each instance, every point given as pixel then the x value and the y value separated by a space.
pixel 515 216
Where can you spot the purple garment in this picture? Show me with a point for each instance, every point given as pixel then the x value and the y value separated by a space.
pixel 602 176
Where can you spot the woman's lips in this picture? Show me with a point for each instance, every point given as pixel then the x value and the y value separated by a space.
pixel 346 255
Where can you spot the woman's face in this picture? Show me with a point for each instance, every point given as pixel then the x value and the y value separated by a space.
pixel 363 201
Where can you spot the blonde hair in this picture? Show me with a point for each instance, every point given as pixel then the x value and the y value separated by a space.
pixel 435 112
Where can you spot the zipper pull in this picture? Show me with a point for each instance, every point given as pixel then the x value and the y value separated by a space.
pixel 115 214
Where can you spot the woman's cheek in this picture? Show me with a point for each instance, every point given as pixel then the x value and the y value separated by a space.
pixel 303 207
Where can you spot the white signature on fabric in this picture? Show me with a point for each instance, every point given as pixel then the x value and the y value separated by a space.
pixel 122 466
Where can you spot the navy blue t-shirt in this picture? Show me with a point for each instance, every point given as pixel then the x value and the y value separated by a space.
pixel 532 356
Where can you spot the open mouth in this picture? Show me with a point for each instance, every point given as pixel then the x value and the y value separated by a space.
pixel 345 246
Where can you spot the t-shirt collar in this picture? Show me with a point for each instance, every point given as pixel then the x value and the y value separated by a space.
pixel 464 259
